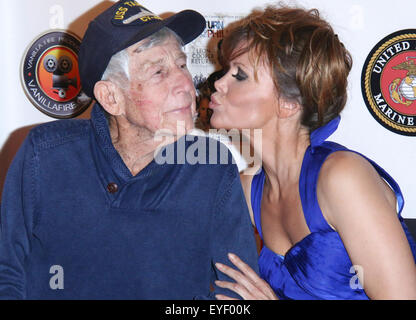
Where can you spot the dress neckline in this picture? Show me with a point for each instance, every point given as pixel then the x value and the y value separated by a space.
pixel 317 137
pixel 257 220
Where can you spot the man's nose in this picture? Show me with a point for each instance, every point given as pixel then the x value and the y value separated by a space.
pixel 182 80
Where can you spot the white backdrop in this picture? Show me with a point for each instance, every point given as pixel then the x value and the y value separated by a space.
pixel 359 24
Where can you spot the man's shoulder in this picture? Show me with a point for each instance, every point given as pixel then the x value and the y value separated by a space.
pixel 55 132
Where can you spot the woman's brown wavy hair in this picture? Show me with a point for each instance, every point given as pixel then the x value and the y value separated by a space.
pixel 309 64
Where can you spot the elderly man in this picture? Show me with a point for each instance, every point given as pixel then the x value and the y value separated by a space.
pixel 87 212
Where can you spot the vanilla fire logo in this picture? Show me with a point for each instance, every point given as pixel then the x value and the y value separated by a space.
pixel 50 76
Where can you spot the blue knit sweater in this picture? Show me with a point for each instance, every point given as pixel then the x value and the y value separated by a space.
pixel 75 224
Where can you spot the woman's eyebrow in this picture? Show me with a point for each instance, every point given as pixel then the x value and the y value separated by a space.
pixel 237 63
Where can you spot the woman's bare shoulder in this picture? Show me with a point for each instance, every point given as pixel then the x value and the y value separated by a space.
pixel 343 168
pixel 348 177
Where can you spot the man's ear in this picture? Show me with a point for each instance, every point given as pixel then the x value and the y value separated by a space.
pixel 109 97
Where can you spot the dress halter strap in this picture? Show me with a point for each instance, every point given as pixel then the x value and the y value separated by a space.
pixel 314 158
pixel 319 135
pixel 257 185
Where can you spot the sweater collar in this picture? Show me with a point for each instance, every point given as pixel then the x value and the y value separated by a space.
pixel 111 155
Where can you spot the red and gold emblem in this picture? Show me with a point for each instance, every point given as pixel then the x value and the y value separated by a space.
pixel 389 82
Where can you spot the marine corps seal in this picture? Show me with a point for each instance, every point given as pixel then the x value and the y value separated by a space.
pixel 388 82
pixel 50 76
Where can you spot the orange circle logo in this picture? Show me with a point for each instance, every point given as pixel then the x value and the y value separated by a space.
pixel 50 75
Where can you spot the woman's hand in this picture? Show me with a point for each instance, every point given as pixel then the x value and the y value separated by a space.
pixel 248 284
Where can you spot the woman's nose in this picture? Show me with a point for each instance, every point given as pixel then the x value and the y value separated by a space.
pixel 220 85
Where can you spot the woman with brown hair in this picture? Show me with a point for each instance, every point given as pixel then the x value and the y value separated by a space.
pixel 328 216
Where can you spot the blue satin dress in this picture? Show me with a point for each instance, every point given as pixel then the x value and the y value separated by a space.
pixel 318 266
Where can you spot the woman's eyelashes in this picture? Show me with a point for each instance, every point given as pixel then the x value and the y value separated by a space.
pixel 240 75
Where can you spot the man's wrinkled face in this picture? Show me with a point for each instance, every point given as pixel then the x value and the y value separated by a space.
pixel 160 94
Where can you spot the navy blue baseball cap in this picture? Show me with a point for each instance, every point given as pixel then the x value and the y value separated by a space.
pixel 122 25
